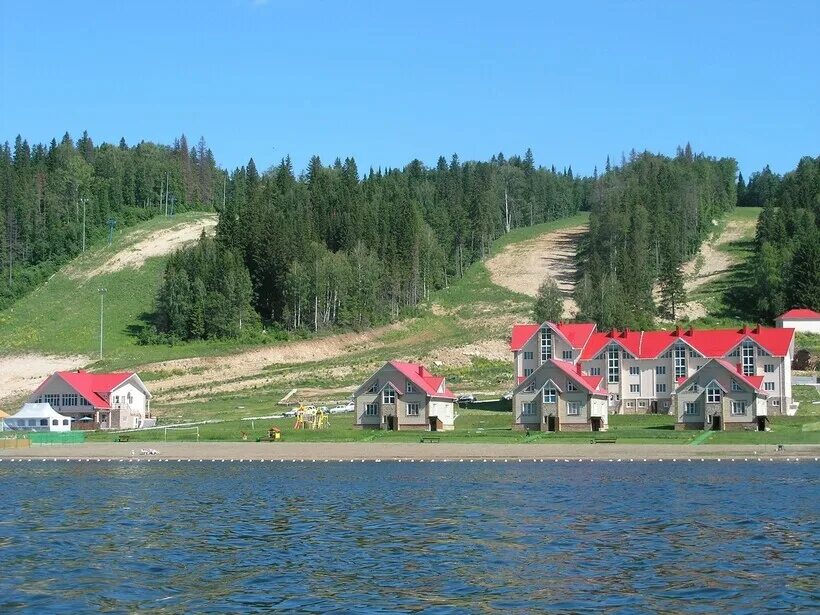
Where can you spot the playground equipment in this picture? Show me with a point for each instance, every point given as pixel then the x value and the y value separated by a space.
pixel 321 419
pixel 311 417
pixel 274 435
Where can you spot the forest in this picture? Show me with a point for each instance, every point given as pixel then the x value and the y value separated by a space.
pixel 57 199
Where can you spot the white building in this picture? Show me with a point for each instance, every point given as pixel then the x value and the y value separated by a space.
pixel 97 401
pixel 806 321
pixel 37 417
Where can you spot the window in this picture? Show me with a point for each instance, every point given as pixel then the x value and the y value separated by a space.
pixel 53 399
pixel 55 421
pixel 769 368
pixel 546 344
pixel 550 396
pixel 571 386
pixel 388 396
pixel 573 408
pixel 634 370
pixel 694 388
pixel 70 399
pixel 594 371
pixel 735 353
pixel 748 353
pixel 690 408
pixel 373 387
pixel 613 365
pixel 528 355
pixel 634 388
pixel 527 408
pixel 775 402
pixel 527 372
pixel 660 370
pixel 693 354
pixel 410 387
pixel 660 387
pixel 738 407
pixel 43 422
pixel 530 386
pixel 371 410
pixel 713 395
pixel 412 409
pixel 680 361
pixel 630 404
pixel 667 355
pixel 641 404
pixel 768 386
pixel 735 386
pixel 65 421
pixel 567 355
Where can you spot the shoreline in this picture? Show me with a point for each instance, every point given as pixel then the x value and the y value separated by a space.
pixel 404 451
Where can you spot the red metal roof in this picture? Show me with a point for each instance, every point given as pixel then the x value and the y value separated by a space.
pixel 590 383
pixel 799 314
pixel 712 343
pixel 91 386
pixel 756 382
pixel 424 380
pixel 576 333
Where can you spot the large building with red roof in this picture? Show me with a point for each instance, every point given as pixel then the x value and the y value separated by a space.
pixel 641 370
pixel 799 319
pixel 97 401
pixel 402 395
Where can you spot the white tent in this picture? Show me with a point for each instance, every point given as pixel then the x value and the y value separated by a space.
pixel 38 417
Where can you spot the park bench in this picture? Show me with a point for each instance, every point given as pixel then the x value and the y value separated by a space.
pixel 430 439
pixel 123 438
pixel 604 440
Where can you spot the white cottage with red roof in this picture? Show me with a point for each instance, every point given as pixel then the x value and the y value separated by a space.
pixel 801 319
pixel 640 370
pixel 404 396
pixel 97 401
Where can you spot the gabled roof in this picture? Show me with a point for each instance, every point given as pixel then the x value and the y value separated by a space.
pixel 37 411
pixel 711 343
pixel 576 334
pixel 799 314
pixel 590 383
pixel 92 387
pixel 756 382
pixel 424 380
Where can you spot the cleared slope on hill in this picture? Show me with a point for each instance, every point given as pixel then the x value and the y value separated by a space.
pixel 522 266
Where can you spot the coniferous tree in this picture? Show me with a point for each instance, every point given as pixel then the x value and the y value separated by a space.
pixel 549 303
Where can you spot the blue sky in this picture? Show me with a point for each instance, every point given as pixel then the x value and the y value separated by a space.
pixel 388 82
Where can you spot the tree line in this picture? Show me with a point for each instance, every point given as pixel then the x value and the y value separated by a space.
pixel 785 266
pixel 335 248
pixel 52 195
pixel 648 217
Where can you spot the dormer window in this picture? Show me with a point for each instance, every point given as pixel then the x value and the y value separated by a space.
pixel 735 386
pixel 571 386
pixel 530 387
pixel 388 396
pixel 410 387
pixel 713 395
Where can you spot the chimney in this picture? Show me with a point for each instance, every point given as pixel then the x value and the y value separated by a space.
pixel 691 331
pixel 739 367
pixel 625 332
pixel 578 368
pixel 421 370
pixel 612 333
pixel 756 329
pixel 678 331
pixel 744 329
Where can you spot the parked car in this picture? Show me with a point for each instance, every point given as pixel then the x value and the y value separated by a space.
pixel 466 398
pixel 348 407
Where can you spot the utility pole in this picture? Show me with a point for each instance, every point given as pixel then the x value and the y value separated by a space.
pixel 224 183
pixel 84 201
pixel 102 292
pixel 167 191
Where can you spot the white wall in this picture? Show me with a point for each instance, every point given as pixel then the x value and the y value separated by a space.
pixel 806 326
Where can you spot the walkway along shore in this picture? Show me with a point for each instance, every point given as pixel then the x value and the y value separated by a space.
pixel 401 451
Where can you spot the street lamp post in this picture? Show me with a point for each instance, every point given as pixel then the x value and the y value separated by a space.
pixel 102 292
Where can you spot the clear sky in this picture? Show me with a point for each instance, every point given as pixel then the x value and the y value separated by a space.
pixel 387 82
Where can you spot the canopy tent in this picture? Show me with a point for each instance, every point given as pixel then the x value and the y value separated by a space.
pixel 38 417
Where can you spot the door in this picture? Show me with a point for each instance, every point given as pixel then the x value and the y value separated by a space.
pixel 715 423
pixel 596 423
pixel 761 423
pixel 391 425
pixel 551 423
pixel 433 423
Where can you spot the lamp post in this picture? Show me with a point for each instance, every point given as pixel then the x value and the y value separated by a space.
pixel 102 292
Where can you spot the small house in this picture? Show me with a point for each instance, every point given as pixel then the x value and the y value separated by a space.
pixel 37 417
pixel 804 320
pixel 403 395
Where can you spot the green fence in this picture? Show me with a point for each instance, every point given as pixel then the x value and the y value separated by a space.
pixel 56 437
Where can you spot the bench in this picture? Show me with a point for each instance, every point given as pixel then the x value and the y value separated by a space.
pixel 430 439
pixel 604 440
pixel 123 438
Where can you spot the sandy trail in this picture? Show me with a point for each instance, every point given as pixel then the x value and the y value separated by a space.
pixel 521 267
pixel 21 374
pixel 158 243
pixel 394 451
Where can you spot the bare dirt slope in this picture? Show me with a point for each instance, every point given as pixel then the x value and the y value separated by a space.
pixel 149 245
pixel 21 374
pixel 522 267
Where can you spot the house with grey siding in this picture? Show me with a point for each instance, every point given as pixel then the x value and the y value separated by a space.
pixel 400 396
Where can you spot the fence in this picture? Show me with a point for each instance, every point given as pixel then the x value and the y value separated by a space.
pixel 15 442
pixel 40 438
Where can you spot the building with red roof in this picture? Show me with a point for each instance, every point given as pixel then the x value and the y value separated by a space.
pixel 640 370
pixel 402 395
pixel 117 400
pixel 799 319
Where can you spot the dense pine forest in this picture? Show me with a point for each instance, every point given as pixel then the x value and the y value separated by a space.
pixel 333 248
pixel 50 193
pixel 785 268
pixel 648 217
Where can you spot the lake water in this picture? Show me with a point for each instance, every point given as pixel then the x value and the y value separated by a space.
pixel 386 537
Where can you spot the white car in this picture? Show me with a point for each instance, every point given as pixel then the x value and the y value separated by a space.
pixel 348 407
